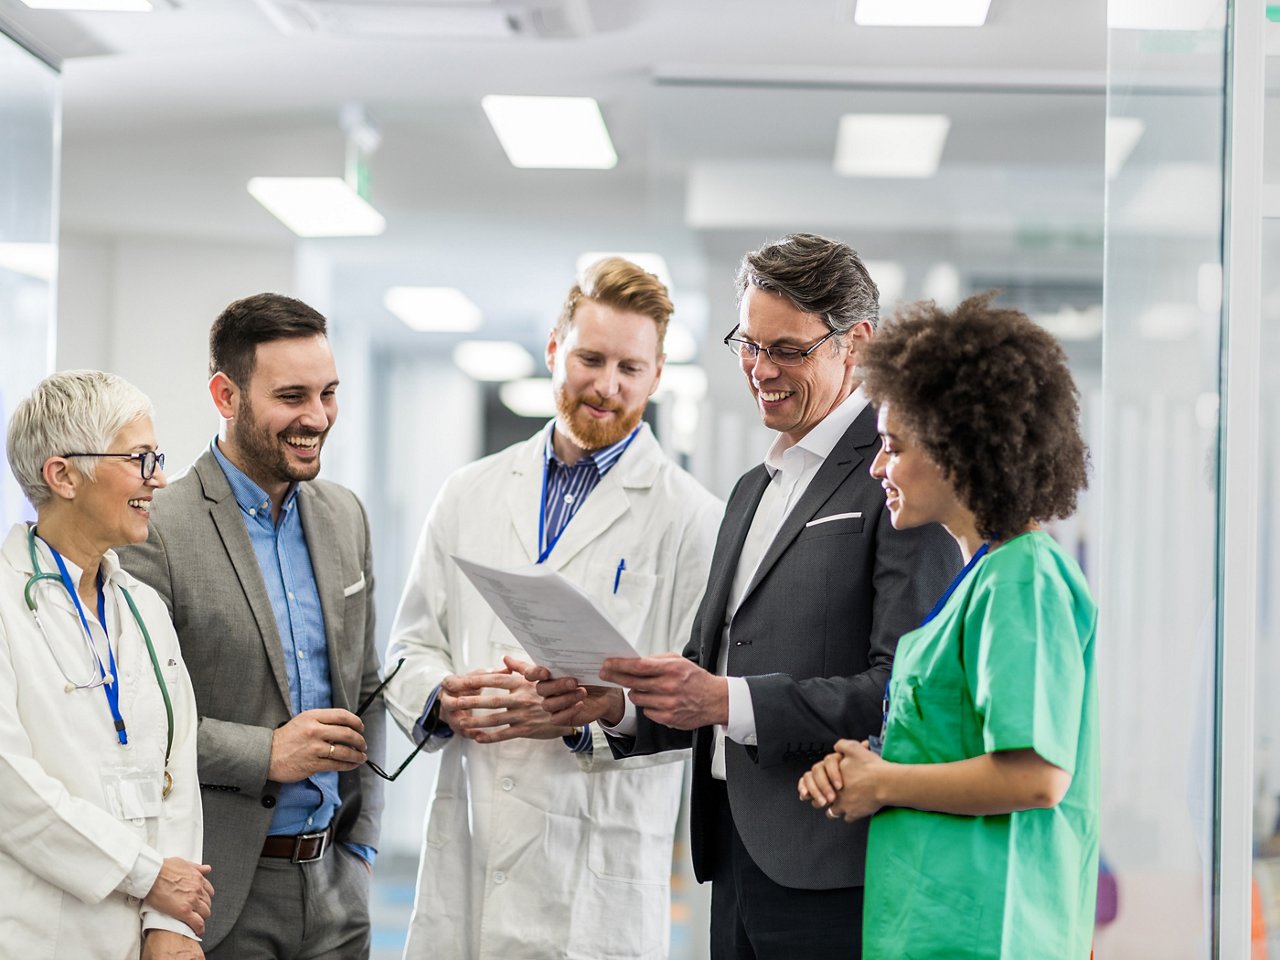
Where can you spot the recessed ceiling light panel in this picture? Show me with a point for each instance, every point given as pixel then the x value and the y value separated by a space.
pixel 317 206
pixel 551 132
pixel 533 397
pixel 921 13
pixel 890 144
pixel 493 360
pixel 92 6
pixel 433 309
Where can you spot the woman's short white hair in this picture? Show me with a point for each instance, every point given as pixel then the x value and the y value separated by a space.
pixel 76 411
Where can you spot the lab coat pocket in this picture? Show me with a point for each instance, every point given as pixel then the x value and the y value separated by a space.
pixel 628 606
pixel 633 818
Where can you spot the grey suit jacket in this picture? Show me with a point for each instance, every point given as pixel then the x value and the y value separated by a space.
pixel 198 557
pixel 814 636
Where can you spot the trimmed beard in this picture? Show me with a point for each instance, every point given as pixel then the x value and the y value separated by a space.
pixel 586 431
pixel 264 454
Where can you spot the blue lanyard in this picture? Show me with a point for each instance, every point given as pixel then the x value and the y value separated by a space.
pixel 542 506
pixel 111 687
pixel 937 608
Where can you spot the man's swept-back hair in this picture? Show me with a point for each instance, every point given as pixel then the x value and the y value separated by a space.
pixel 620 284
pixel 817 275
pixel 262 318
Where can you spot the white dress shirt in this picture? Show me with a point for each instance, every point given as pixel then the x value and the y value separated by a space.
pixel 791 468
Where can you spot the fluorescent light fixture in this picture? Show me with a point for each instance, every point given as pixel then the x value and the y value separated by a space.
pixel 529 398
pixel 1072 324
pixel 1192 15
pixel 559 132
pixel 921 13
pixel 683 380
pixel 493 360
pixel 654 263
pixel 890 144
pixel 942 285
pixel 92 6
pixel 317 206
pixel 1170 321
pixel 679 344
pixel 890 278
pixel 433 309
pixel 38 260
pixel 1123 134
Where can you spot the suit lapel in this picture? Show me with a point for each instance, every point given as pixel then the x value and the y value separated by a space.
pixel 326 564
pixel 845 457
pixel 225 513
pixel 733 534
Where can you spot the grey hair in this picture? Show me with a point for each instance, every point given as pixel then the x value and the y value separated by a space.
pixel 817 275
pixel 76 411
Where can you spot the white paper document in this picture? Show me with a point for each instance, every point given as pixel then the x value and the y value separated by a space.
pixel 558 625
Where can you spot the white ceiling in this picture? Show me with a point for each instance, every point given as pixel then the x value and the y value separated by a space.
pixel 723 113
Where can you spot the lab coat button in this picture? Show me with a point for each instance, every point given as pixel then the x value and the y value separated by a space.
pixel 268 802
pixel 499 877
pixel 507 783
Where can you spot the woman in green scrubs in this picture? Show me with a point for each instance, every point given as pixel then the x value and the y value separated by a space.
pixel 984 842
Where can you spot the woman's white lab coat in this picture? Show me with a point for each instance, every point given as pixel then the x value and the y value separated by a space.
pixel 532 851
pixel 72 875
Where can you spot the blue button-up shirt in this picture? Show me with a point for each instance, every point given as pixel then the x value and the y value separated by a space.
pixel 307 806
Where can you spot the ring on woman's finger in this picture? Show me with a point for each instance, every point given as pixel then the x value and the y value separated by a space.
pixel 331 746
pixel 831 814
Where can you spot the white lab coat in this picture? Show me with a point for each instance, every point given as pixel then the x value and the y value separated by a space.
pixel 72 876
pixel 530 850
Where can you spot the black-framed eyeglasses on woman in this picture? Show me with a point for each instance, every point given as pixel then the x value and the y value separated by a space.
pixel 782 356
pixel 364 705
pixel 148 460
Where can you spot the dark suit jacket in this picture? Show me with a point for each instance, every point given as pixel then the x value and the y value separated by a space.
pixel 814 636
pixel 198 557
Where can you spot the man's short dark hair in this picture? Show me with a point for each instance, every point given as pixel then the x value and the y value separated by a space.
pixel 262 318
pixel 817 275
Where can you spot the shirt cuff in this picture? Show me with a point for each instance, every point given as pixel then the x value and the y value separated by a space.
pixel 365 853
pixel 741 727
pixel 581 743
pixel 429 725
pixel 142 877
pixel 627 726
pixel 155 920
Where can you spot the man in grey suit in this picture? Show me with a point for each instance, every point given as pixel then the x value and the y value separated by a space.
pixel 267 574
pixel 809 591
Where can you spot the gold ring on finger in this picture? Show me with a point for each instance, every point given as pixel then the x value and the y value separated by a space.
pixel 331 746
pixel 831 814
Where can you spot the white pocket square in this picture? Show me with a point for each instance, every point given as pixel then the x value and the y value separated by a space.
pixel 834 516
pixel 354 588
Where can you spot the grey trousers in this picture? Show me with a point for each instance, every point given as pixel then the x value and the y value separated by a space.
pixel 302 911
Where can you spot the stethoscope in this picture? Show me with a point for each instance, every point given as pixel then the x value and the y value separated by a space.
pixel 101 676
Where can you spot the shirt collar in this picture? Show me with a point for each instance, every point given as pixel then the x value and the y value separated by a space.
pixel 822 439
pixel 252 499
pixel 602 459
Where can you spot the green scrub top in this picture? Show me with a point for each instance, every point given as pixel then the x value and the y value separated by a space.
pixel 1007 664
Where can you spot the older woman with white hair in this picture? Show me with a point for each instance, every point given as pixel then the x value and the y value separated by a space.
pixel 100 823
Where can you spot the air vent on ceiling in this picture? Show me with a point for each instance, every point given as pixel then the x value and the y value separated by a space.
pixel 433 20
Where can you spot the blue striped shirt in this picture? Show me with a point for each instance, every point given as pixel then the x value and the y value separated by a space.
pixel 567 487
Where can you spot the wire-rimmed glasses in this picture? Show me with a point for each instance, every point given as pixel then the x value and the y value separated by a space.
pixel 782 356
pixel 364 705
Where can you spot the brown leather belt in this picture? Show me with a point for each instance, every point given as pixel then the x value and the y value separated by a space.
pixel 304 848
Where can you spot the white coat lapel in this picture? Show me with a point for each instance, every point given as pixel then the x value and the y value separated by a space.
pixel 524 494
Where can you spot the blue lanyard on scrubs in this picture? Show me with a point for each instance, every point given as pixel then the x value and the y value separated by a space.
pixel 542 506
pixel 110 685
pixel 878 742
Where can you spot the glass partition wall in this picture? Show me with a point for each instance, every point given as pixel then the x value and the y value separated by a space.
pixel 28 204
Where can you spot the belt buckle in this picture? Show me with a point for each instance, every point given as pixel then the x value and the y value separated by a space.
pixel 322 836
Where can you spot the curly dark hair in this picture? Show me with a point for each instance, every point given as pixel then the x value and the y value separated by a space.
pixel 987 393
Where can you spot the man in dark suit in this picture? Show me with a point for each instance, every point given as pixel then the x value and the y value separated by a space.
pixel 267 573
pixel 809 591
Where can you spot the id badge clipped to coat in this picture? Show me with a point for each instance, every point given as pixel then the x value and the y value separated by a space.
pixel 133 792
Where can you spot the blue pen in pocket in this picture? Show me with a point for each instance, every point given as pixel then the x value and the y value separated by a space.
pixel 617 577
